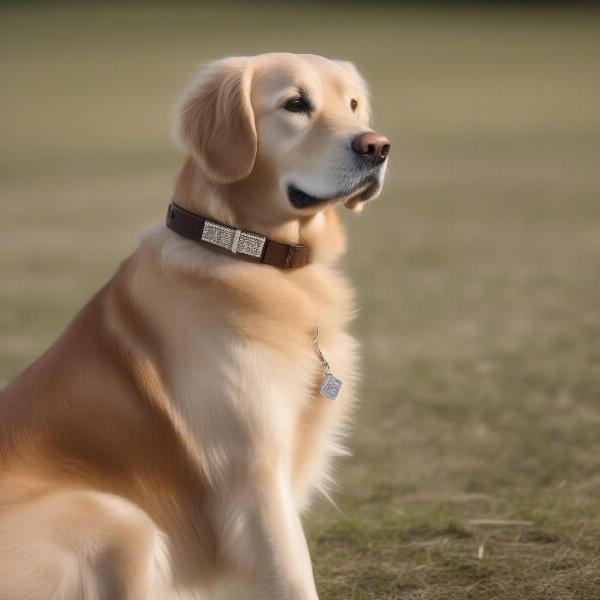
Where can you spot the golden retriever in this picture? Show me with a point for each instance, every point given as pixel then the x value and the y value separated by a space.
pixel 167 442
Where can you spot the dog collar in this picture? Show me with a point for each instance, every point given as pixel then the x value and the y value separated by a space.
pixel 246 245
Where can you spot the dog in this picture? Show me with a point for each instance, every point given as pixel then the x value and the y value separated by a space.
pixel 165 445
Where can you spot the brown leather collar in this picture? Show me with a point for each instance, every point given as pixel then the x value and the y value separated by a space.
pixel 235 242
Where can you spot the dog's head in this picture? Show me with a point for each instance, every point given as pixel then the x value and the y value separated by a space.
pixel 293 128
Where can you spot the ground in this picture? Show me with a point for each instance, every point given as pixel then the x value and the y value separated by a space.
pixel 476 453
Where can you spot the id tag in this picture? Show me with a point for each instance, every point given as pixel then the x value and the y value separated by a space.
pixel 330 387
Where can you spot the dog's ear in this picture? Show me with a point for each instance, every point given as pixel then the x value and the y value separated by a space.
pixel 215 120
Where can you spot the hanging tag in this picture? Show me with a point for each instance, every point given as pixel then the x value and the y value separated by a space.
pixel 331 385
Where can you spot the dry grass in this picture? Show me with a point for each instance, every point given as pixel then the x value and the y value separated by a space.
pixel 476 469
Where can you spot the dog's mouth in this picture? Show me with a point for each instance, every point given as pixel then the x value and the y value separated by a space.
pixel 363 191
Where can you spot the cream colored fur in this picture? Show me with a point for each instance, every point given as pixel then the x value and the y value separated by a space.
pixel 166 444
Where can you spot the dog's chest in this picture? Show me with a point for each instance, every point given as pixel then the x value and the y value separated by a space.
pixel 246 385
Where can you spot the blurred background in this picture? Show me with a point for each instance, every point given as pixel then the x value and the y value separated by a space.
pixel 476 466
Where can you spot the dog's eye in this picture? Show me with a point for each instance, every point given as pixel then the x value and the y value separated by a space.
pixel 353 105
pixel 298 104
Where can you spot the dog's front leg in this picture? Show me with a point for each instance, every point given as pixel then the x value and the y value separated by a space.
pixel 269 543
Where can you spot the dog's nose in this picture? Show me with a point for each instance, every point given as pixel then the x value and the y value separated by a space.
pixel 373 146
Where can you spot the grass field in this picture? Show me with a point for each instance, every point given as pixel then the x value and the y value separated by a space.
pixel 476 467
